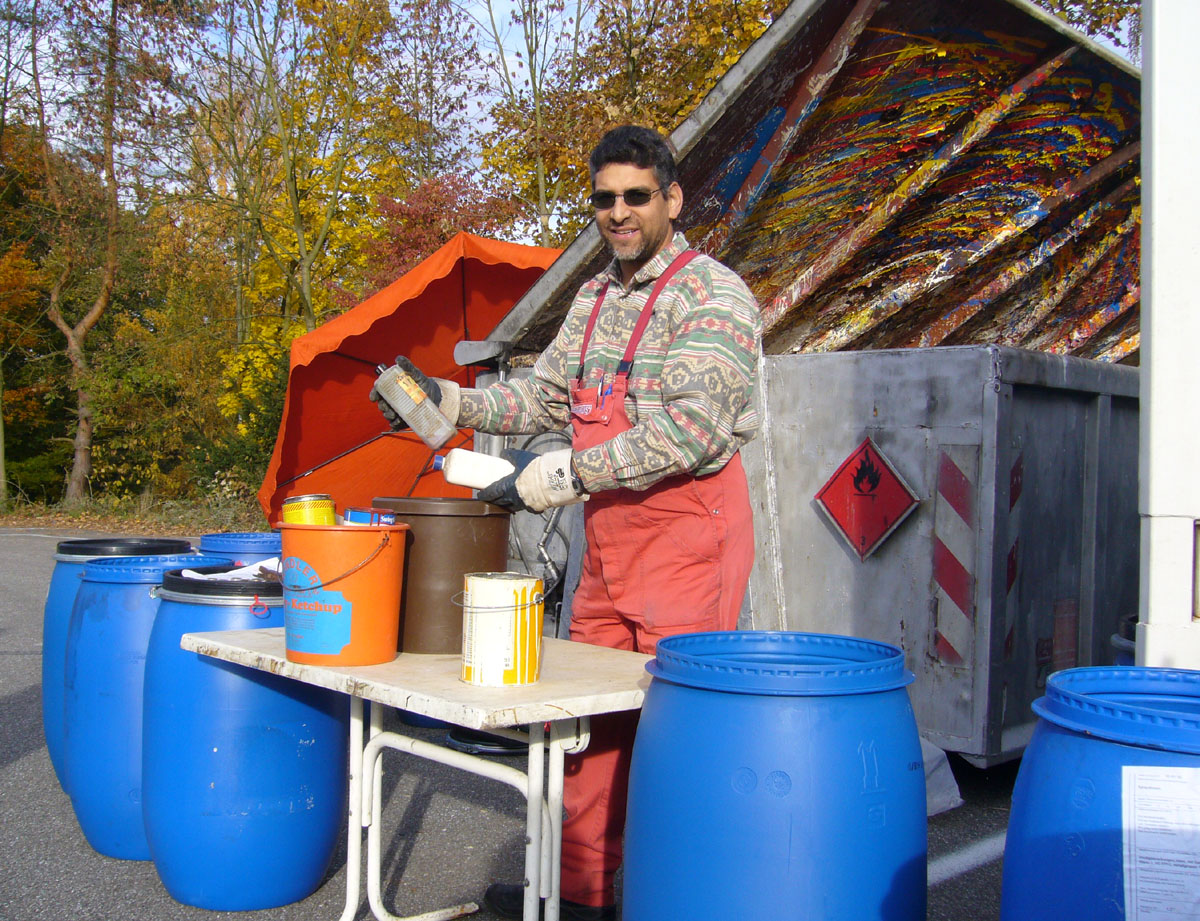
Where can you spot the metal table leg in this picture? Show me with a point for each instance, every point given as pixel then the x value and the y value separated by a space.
pixel 543 812
pixel 371 808
pixel 354 820
pixel 566 737
pixel 536 774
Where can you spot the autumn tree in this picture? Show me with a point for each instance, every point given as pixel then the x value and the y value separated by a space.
pixel 17 271
pixel 432 79
pixel 666 56
pixel 539 83
pixel 1118 21
pixel 157 367
pixel 565 74
pixel 417 225
pixel 98 73
pixel 16 24
pixel 20 285
pixel 439 190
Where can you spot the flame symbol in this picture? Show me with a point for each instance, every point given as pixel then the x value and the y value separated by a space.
pixel 866 477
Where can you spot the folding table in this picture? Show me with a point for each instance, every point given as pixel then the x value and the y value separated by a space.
pixel 577 681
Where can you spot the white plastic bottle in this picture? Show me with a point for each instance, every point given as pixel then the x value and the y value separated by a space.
pixel 471 468
pixel 407 398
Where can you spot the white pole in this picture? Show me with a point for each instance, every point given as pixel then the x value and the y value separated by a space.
pixel 1168 632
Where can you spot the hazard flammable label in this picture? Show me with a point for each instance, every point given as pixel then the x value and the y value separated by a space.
pixel 866 499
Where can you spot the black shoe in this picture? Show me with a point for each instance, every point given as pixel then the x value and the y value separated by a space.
pixel 508 901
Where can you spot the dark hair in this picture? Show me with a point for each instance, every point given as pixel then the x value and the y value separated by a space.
pixel 645 148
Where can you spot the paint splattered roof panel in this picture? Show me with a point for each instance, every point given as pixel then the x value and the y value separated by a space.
pixel 912 174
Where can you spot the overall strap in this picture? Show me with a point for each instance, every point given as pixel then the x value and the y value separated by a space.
pixel 643 321
pixel 591 325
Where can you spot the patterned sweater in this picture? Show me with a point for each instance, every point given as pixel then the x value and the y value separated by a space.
pixel 691 389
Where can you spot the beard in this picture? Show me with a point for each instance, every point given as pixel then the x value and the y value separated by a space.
pixel 638 250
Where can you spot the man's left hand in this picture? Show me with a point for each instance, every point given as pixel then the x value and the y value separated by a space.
pixel 546 482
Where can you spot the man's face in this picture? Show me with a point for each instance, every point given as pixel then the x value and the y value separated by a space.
pixel 635 234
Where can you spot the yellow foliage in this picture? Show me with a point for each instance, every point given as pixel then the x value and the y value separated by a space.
pixel 253 370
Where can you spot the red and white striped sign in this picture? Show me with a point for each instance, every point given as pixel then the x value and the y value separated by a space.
pixel 955 538
pixel 1016 480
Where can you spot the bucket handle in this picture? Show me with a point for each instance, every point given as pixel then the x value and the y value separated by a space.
pixel 349 572
pixel 459 600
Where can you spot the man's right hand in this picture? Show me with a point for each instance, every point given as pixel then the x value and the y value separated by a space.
pixel 443 393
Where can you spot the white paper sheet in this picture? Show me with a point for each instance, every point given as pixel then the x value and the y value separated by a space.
pixel 1161 838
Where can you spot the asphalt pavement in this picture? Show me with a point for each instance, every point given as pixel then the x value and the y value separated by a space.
pixel 447 834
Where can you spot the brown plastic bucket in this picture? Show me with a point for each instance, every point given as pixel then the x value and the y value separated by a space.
pixel 447 539
pixel 341 592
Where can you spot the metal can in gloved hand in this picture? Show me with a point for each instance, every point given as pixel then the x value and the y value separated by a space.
pixel 405 396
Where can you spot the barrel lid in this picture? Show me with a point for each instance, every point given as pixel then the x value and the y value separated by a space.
pixel 242 542
pixel 782 663
pixel 175 581
pixel 1148 707
pixel 438 505
pixel 86 548
pixel 147 569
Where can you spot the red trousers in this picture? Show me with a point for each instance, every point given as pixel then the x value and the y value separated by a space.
pixel 673 559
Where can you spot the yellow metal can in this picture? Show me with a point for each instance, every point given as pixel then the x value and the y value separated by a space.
pixel 502 628
pixel 316 508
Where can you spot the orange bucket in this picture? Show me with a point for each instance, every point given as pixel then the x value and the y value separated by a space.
pixel 341 592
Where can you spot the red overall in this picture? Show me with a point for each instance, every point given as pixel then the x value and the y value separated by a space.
pixel 674 558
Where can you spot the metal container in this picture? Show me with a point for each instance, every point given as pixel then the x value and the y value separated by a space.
pixel 447 539
pixel 369 516
pixel 1021 555
pixel 316 508
pixel 502 629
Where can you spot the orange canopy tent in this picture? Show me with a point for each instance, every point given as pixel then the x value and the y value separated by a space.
pixel 332 438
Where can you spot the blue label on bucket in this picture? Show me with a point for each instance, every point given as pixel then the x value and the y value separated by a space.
pixel 315 620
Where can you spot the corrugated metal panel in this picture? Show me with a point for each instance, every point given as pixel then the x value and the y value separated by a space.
pixel 911 174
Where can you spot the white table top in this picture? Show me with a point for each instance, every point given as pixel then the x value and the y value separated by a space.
pixel 577 680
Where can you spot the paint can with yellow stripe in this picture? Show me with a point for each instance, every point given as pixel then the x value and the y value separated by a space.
pixel 315 508
pixel 502 628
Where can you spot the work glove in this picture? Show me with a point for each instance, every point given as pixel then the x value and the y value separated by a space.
pixel 545 482
pixel 445 395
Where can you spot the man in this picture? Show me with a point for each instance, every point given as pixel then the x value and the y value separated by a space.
pixel 655 368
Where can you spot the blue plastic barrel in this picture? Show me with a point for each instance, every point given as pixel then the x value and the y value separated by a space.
pixel 1110 745
pixel 105 664
pixel 243 548
pixel 1124 641
pixel 776 775
pixel 69 558
pixel 243 773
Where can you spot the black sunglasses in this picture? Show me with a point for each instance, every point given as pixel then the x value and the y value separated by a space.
pixel 635 198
